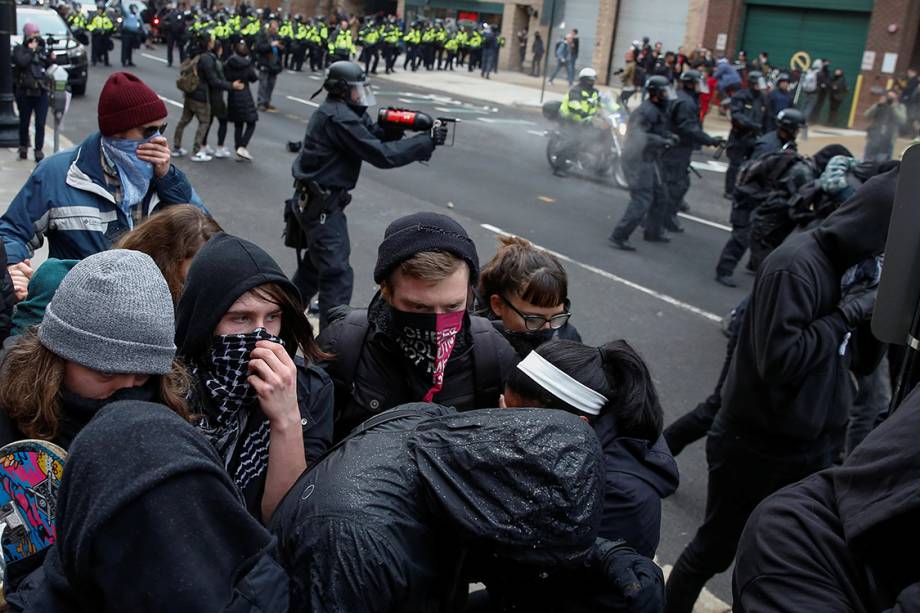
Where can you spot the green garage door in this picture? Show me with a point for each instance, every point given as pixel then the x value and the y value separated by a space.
pixel 839 36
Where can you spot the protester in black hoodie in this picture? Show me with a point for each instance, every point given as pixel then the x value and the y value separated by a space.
pixel 789 387
pixel 403 514
pixel 239 324
pixel 845 539
pixel 149 521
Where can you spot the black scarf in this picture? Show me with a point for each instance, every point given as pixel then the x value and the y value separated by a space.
pixel 225 379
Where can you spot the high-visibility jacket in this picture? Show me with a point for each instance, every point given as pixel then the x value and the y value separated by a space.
pixel 580 104
pixel 452 44
pixel 475 40
pixel 101 24
pixel 342 43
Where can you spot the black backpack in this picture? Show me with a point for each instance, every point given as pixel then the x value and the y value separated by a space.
pixel 487 374
pixel 758 179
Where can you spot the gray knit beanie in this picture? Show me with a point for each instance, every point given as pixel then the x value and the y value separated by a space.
pixel 113 313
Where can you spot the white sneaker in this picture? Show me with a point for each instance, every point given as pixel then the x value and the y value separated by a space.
pixel 209 150
pixel 243 153
pixel 222 152
pixel 201 156
pixel 180 152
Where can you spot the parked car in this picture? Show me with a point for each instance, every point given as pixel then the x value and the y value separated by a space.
pixel 68 51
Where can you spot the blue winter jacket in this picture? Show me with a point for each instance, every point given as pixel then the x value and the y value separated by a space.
pixel 67 200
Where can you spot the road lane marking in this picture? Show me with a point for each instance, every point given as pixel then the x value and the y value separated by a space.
pixel 536 132
pixel 168 101
pixel 154 58
pixel 302 101
pixel 518 122
pixel 546 199
pixel 618 279
pixel 711 166
pixel 705 222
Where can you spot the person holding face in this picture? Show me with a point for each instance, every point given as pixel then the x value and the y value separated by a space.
pixel 239 325
pixel 83 199
pixel 524 291
pixel 416 341
pixel 106 335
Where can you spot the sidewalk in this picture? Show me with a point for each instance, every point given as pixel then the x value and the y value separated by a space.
pixel 521 90
pixel 13 175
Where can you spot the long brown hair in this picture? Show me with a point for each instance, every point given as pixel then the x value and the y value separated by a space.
pixel 171 236
pixel 33 377
pixel 296 329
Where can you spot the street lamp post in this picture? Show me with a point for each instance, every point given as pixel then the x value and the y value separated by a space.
pixel 9 124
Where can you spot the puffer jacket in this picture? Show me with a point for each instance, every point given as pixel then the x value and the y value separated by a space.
pixel 240 105
pixel 66 199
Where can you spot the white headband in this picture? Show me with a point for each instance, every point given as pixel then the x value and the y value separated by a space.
pixel 561 385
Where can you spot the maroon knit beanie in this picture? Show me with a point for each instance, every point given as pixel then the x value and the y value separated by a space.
pixel 126 102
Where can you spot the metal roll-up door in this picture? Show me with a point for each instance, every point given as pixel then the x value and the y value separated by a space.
pixel 660 20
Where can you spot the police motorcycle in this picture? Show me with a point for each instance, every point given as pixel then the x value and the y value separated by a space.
pixel 595 156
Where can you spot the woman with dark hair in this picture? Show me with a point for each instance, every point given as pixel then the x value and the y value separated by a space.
pixel 524 291
pixel 239 325
pixel 611 388
pixel 172 237
pixel 241 109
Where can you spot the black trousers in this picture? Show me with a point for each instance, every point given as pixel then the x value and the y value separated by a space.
pixel 648 202
pixel 677 181
pixel 100 49
pixel 737 243
pixel 171 41
pixel 390 53
pixel 127 47
pixel 27 105
pixel 242 132
pixel 324 268
pixel 740 477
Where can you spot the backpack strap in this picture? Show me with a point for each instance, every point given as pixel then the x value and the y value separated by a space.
pixel 350 345
pixel 487 370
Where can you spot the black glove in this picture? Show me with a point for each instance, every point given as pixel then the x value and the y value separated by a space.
pixel 673 140
pixel 439 135
pixel 717 141
pixel 857 305
pixel 637 579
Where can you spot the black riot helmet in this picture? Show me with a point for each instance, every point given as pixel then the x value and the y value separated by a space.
pixel 690 79
pixel 658 86
pixel 790 120
pixel 756 80
pixel 347 81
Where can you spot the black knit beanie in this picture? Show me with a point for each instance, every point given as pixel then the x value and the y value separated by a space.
pixel 424 232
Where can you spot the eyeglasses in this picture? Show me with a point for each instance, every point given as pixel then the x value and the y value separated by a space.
pixel 149 131
pixel 536 322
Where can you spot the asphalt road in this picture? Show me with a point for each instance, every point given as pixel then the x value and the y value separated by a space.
pixel 662 299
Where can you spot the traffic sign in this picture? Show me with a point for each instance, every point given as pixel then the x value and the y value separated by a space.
pixel 800 60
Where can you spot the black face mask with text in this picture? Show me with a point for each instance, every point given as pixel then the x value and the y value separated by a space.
pixel 427 340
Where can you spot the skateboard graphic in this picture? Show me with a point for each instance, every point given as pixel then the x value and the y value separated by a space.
pixel 30 477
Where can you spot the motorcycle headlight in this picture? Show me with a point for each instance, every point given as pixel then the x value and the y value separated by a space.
pixel 622 129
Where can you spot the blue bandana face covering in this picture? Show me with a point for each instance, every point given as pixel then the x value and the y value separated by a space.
pixel 135 174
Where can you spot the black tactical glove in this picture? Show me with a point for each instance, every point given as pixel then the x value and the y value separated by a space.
pixel 717 141
pixel 857 305
pixel 637 579
pixel 439 135
pixel 673 140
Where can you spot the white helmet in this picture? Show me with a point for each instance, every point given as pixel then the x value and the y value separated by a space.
pixel 587 74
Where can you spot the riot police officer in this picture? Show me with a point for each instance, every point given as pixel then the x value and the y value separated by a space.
pixel 684 114
pixel 788 123
pixel 339 137
pixel 749 120
pixel 648 136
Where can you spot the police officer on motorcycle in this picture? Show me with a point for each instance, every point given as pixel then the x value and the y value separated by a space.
pixel 749 119
pixel 339 137
pixel 578 110
pixel 788 123
pixel 647 138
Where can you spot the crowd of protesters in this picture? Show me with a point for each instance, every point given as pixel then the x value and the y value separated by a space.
pixel 455 430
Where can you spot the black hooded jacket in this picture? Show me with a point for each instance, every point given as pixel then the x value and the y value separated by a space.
pixel 372 375
pixel 382 523
pixel 789 386
pixel 845 539
pixel 149 521
pixel 222 271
